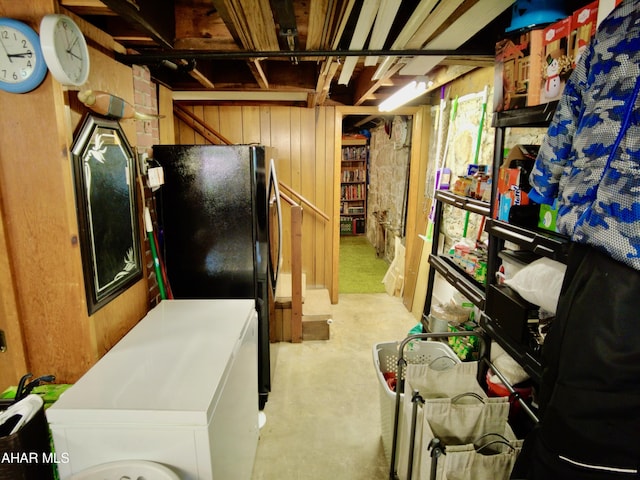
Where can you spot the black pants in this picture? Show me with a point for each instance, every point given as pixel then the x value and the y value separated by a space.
pixel 590 391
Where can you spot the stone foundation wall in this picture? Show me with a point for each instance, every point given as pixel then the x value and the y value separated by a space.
pixel 389 157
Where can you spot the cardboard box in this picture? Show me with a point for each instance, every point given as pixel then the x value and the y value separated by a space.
pixel 556 62
pixel 513 179
pixel 516 167
pixel 583 28
pixel 517 67
pixel 514 196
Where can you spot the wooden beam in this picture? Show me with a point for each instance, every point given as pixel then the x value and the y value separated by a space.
pixel 464 27
pixel 433 22
pixel 87 7
pixel 344 19
pixel 328 71
pixel 366 87
pixel 156 17
pixel 384 21
pixel 418 16
pixel 225 12
pixel 447 74
pixel 95 35
pixel 360 35
pixel 201 27
pixel 319 12
pixel 250 22
pixel 198 76
pixel 312 100
pixel 258 73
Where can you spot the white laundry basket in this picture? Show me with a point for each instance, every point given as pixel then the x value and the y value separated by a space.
pixel 134 469
pixel 385 358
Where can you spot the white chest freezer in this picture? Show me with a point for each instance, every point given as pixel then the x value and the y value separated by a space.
pixel 179 389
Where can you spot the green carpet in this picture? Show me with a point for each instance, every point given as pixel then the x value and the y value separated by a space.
pixel 360 270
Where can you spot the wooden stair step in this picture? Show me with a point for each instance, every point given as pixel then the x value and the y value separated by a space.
pixel 316 315
pixel 284 289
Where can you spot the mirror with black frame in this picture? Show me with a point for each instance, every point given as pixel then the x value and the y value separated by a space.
pixel 104 171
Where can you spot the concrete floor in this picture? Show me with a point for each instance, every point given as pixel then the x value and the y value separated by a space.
pixel 323 414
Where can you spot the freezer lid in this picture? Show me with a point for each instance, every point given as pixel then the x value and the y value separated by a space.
pixel 168 370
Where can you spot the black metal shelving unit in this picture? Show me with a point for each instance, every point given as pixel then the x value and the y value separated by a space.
pixel 528 358
pixel 444 264
pixel 545 244
pixel 539 242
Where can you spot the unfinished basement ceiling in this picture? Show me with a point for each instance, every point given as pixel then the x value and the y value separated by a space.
pixel 310 52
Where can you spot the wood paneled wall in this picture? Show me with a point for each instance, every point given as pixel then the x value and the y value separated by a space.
pixel 42 297
pixel 304 140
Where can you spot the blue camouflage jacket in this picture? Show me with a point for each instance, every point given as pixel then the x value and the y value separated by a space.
pixel 590 157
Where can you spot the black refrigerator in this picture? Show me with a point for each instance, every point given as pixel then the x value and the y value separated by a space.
pixel 218 216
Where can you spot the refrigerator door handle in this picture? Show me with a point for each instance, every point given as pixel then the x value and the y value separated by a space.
pixel 274 197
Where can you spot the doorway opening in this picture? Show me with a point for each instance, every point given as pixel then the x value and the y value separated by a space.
pixel 374 187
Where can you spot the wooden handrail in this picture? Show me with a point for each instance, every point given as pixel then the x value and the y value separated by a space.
pixel 200 125
pixel 305 201
pixel 289 200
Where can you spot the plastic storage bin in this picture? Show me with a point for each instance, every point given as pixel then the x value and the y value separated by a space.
pixel 385 358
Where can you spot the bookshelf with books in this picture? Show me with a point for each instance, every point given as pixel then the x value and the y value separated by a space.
pixel 353 185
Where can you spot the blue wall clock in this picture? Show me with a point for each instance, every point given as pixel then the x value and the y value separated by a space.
pixel 22 65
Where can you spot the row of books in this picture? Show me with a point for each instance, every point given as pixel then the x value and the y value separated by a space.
pixel 350 209
pixel 354 175
pixel 353 192
pixel 354 154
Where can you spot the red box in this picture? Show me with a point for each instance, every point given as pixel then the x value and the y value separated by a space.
pixel 555 60
pixel 583 27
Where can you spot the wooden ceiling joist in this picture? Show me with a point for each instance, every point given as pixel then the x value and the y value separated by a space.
pixel 258 73
pixel 360 35
pixel 155 17
pixel 417 18
pixel 330 67
pixel 366 86
pixel 439 15
pixel 211 37
pixel 87 7
pixel 470 22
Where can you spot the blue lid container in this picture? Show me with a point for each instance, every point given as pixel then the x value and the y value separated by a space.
pixel 532 13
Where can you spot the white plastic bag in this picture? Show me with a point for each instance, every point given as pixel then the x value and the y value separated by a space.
pixel 540 283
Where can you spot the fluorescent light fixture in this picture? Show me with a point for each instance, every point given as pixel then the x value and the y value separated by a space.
pixel 407 93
